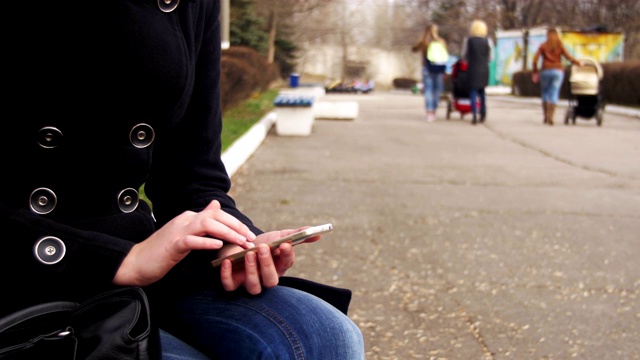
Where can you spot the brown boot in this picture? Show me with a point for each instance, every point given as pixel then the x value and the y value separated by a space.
pixel 545 112
pixel 551 108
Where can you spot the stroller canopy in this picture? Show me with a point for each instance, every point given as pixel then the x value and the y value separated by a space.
pixel 585 79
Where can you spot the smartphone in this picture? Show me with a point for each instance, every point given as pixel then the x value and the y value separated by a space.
pixel 294 239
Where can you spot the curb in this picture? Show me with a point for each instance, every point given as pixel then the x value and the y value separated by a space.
pixel 613 109
pixel 247 144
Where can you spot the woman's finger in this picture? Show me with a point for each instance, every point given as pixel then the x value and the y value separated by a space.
pixel 268 270
pixel 226 276
pixel 285 258
pixel 252 275
pixel 224 226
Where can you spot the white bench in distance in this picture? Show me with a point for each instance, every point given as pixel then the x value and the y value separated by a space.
pixel 336 110
pixel 294 114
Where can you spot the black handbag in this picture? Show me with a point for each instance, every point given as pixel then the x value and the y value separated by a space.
pixel 111 325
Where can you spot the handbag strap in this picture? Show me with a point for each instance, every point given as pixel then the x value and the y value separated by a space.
pixel 37 310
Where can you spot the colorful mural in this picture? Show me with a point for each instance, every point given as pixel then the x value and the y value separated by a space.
pixel 603 47
pixel 510 53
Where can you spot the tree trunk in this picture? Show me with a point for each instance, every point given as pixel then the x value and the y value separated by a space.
pixel 273 25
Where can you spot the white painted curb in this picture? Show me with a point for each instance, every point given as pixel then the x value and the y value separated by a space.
pixel 242 149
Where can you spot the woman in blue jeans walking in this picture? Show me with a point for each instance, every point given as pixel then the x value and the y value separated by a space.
pixel 432 74
pixel 552 73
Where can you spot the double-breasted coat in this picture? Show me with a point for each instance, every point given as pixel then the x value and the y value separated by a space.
pixel 478 55
pixel 103 98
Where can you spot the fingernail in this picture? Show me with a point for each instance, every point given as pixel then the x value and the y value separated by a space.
pixel 252 236
pixel 251 258
pixel 263 251
pixel 244 238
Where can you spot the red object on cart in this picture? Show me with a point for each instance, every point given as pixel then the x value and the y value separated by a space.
pixel 459 100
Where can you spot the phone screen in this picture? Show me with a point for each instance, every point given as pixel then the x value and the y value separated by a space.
pixel 294 239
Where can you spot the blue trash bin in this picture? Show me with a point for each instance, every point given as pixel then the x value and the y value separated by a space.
pixel 294 80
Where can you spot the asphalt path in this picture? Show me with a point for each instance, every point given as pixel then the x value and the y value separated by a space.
pixel 507 240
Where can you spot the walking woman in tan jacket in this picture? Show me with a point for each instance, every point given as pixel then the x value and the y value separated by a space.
pixel 551 73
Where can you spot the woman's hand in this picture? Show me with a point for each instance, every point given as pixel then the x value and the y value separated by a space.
pixel 535 77
pixel 150 260
pixel 262 268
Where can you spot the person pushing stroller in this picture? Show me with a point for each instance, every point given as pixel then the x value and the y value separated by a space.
pixel 477 50
pixel 551 74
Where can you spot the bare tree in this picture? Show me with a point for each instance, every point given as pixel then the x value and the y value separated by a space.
pixel 393 26
pixel 289 12
pixel 595 15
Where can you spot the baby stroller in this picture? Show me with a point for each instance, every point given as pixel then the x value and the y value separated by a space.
pixel 459 100
pixel 585 97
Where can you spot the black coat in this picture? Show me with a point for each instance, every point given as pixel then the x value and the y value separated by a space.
pixel 478 55
pixel 105 97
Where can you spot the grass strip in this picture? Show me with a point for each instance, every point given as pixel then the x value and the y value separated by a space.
pixel 237 120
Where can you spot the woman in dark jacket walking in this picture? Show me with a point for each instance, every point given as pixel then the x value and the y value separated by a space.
pixel 477 50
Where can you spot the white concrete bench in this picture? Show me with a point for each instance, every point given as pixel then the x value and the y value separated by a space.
pixel 294 114
pixel 338 110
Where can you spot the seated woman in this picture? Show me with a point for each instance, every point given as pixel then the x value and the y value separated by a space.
pixel 126 95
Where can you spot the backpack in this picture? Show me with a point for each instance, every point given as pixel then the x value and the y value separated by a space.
pixel 437 57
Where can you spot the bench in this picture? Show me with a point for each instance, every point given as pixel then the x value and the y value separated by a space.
pixel 294 114
pixel 338 110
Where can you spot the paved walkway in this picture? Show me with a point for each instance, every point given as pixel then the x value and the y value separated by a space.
pixel 509 240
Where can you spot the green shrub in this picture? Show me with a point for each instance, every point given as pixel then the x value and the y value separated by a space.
pixel 404 83
pixel 244 72
pixel 620 84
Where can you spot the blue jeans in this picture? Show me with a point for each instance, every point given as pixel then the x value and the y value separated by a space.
pixel 433 86
pixel 550 83
pixel 280 323
pixel 173 348
pixel 473 97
